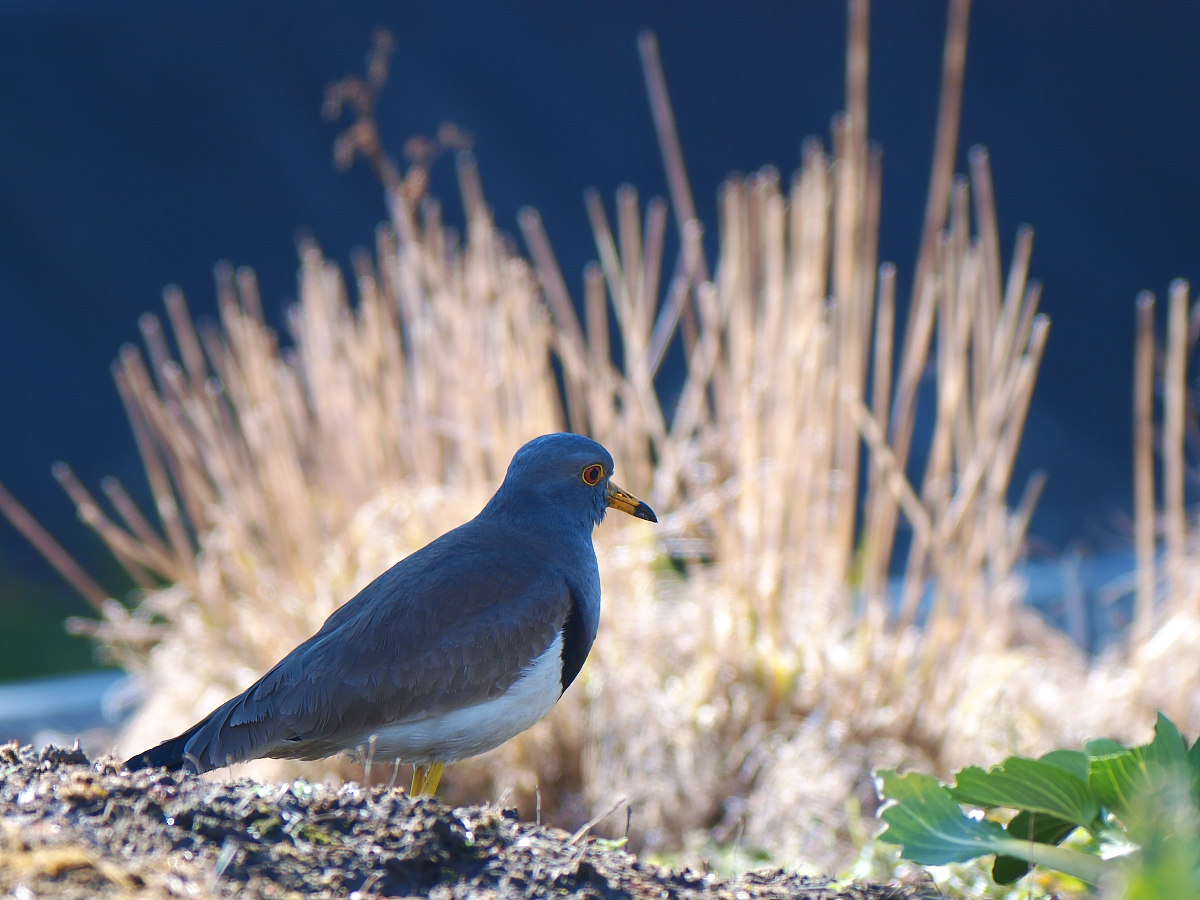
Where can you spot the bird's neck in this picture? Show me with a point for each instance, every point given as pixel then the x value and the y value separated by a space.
pixel 555 535
pixel 541 519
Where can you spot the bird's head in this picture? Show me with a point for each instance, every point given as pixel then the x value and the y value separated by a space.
pixel 567 477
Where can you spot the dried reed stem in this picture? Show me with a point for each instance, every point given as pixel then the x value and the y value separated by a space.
pixel 1143 470
pixel 1173 450
pixel 945 144
pixel 53 552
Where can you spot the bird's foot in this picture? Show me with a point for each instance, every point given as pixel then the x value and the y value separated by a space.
pixel 425 779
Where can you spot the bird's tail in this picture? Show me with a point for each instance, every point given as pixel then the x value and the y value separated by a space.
pixel 169 754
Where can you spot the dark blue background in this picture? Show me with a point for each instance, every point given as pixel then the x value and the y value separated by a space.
pixel 141 142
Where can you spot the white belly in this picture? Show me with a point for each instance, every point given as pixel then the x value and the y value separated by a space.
pixel 448 737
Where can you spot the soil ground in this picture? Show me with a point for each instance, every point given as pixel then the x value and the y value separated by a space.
pixel 72 828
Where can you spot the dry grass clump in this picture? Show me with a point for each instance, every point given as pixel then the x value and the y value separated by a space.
pixel 1159 666
pixel 754 692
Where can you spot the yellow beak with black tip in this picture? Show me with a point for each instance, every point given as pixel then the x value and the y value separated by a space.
pixel 627 503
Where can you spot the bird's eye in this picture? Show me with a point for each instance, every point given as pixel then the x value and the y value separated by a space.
pixel 592 474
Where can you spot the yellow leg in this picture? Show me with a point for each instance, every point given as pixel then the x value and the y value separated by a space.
pixel 425 779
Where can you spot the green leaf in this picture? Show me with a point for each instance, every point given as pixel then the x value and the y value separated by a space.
pixel 1103 747
pixel 1113 779
pixel 1117 778
pixel 1193 756
pixel 928 824
pixel 1030 784
pixel 932 829
pixel 1168 747
pixel 1030 827
pixel 1165 822
pixel 1073 761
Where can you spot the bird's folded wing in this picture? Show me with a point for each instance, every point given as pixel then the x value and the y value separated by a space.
pixel 421 638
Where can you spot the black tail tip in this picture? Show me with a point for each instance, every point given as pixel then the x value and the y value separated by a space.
pixel 167 755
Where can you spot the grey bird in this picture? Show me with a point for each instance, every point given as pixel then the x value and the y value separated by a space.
pixel 453 650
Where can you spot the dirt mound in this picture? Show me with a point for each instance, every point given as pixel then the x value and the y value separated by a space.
pixel 71 828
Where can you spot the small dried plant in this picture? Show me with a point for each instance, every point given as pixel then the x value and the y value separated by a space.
pixel 1159 666
pixel 754 691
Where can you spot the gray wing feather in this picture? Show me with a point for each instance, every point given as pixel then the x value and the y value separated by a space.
pixel 451 625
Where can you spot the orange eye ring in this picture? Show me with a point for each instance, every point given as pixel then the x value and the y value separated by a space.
pixel 592 474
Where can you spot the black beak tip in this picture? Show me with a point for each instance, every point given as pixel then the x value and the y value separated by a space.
pixel 645 512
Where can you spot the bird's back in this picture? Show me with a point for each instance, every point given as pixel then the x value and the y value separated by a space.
pixel 452 625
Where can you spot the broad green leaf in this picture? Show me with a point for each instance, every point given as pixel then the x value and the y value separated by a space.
pixel 1030 827
pixel 1029 784
pixel 1165 822
pixel 932 829
pixel 1168 747
pixel 1194 756
pixel 928 824
pixel 1117 778
pixel 1114 779
pixel 1074 761
pixel 1103 747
